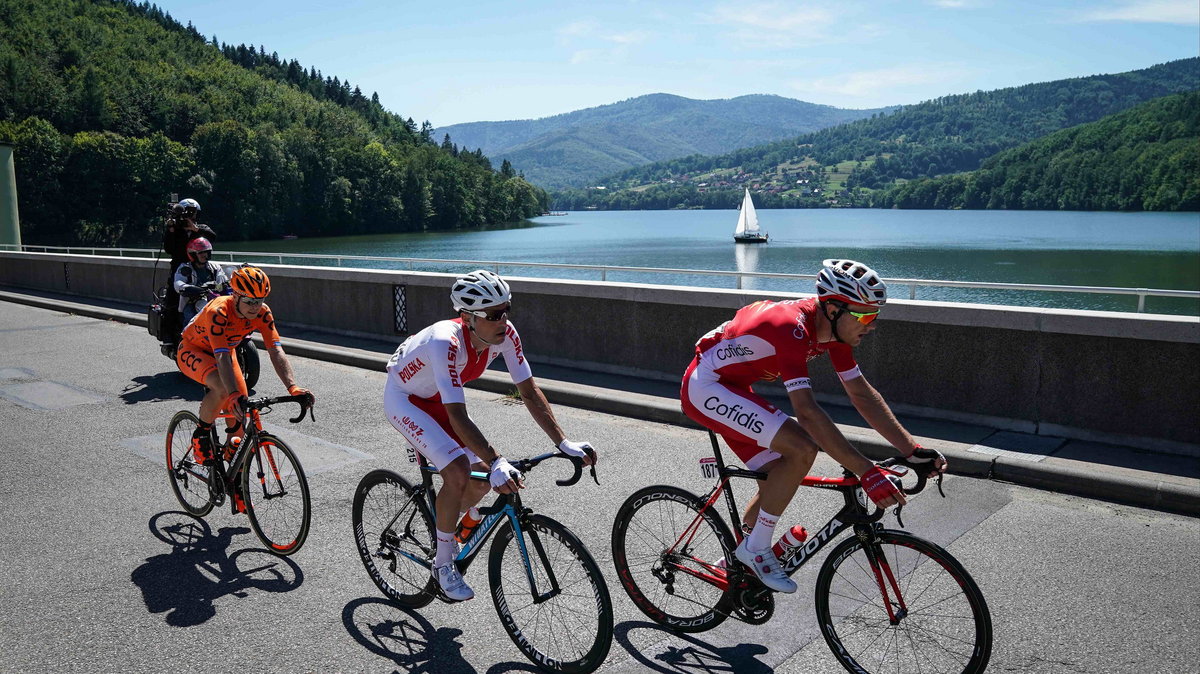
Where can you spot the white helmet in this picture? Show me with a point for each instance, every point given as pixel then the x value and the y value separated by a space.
pixel 480 289
pixel 851 282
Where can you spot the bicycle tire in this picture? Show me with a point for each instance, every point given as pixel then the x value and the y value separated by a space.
pixel 279 505
pixel 189 480
pixel 946 626
pixel 384 501
pixel 657 516
pixel 583 625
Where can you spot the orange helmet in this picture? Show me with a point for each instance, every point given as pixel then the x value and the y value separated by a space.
pixel 251 282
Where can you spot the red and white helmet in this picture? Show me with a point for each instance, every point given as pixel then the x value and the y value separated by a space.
pixel 480 289
pixel 196 246
pixel 851 282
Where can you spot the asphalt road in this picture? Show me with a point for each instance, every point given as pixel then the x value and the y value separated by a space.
pixel 93 578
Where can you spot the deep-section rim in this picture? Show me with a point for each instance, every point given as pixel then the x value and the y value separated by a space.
pixel 935 557
pixel 422 596
pixel 253 492
pixel 205 496
pixel 577 557
pixel 643 498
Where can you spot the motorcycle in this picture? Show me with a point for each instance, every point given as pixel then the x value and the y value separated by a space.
pixel 165 327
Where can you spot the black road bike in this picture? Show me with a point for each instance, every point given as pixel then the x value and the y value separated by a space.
pixel 548 591
pixel 886 600
pixel 262 472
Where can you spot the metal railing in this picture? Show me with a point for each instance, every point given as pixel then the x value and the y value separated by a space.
pixel 739 276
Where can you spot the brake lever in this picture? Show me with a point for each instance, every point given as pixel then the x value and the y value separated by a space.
pixel 592 455
pixel 898 518
pixel 939 484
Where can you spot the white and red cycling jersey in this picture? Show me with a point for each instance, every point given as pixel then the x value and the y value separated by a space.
pixel 429 370
pixel 765 341
pixel 769 341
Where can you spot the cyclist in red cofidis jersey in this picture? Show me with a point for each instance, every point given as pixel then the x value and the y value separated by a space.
pixel 773 341
pixel 425 401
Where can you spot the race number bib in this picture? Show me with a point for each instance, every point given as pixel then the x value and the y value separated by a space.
pixel 412 453
pixel 708 467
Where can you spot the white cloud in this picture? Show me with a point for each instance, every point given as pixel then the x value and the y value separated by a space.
pixel 1185 12
pixel 883 86
pixel 772 24
pixel 955 4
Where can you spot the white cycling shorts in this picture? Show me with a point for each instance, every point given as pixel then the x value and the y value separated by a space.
pixel 427 430
pixel 746 421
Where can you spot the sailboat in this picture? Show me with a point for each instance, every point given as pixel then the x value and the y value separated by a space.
pixel 747 230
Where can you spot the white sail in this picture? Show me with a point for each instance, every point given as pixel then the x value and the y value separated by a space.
pixel 748 218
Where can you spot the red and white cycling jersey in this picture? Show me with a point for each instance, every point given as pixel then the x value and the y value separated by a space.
pixel 436 362
pixel 769 341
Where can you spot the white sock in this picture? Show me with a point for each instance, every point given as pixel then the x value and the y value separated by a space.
pixel 445 548
pixel 764 531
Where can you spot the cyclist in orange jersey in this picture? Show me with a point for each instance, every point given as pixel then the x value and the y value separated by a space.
pixel 206 355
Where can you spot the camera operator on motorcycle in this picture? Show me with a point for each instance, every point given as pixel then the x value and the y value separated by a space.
pixel 206 352
pixel 198 280
pixel 181 230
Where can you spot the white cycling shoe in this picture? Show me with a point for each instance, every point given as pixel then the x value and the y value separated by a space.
pixel 766 567
pixel 451 582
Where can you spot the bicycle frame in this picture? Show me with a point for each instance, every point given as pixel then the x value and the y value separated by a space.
pixel 853 514
pixel 506 507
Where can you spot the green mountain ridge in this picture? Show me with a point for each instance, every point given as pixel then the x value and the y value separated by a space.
pixel 843 165
pixel 1145 158
pixel 113 106
pixel 650 128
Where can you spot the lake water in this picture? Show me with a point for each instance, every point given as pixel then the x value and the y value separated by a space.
pixel 1135 250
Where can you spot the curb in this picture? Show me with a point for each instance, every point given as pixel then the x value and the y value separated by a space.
pixel 1146 493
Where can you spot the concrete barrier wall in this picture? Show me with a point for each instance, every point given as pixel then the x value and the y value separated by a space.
pixel 1096 375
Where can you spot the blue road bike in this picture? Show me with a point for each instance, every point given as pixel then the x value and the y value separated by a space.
pixel 547 589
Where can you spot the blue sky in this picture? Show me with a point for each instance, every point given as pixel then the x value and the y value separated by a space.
pixel 463 61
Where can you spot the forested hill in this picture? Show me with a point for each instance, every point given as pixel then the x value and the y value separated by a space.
pixel 113 106
pixel 577 147
pixel 840 166
pixel 1146 158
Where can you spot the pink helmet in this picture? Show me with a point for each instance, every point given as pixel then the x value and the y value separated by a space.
pixel 198 245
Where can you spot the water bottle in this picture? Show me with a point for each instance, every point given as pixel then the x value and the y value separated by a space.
pixel 467 526
pixel 790 540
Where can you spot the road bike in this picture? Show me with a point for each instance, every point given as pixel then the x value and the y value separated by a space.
pixel 548 591
pixel 277 502
pixel 886 600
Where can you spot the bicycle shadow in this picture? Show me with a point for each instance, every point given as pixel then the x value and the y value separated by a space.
pixel 405 637
pixel 696 656
pixel 159 387
pixel 186 582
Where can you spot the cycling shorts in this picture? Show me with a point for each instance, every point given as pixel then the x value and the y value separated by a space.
pixel 746 421
pixel 426 426
pixel 197 364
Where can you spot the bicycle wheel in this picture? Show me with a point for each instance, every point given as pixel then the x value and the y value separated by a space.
pixel 392 520
pixel 941 621
pixel 189 480
pixel 666 546
pixel 563 623
pixel 276 494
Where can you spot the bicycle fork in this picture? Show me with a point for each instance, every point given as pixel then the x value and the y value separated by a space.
pixel 885 579
pixel 519 534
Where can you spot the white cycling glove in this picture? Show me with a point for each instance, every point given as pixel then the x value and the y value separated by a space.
pixel 926 455
pixel 502 472
pixel 575 448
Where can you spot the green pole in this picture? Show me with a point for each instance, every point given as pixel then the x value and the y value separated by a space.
pixel 10 223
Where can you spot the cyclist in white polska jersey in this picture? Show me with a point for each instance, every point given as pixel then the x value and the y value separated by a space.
pixel 424 400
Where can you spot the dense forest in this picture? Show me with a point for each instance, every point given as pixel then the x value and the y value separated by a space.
pixel 1146 158
pixel 946 135
pixel 113 106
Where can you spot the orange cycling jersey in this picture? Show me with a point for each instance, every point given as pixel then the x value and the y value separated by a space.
pixel 218 328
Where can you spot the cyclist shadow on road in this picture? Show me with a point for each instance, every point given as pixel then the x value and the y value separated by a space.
pixel 186 582
pixel 694 655
pixel 161 386
pixel 405 637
